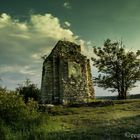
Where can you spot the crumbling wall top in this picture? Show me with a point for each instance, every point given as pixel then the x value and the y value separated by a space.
pixel 66 48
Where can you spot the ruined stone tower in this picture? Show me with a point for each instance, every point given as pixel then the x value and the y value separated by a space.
pixel 66 75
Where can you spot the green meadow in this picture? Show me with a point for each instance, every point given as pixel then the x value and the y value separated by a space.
pixel 117 121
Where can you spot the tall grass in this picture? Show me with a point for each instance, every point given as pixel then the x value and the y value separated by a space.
pixel 94 121
pixel 17 119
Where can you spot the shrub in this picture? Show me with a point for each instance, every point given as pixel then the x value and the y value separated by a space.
pixel 20 120
pixel 14 112
pixel 29 90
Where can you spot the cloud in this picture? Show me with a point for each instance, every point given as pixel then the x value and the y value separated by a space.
pixel 50 27
pixel 67 5
pixel 25 39
pixel 67 24
pixel 23 43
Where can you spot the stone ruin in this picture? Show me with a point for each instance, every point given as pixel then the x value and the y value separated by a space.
pixel 66 75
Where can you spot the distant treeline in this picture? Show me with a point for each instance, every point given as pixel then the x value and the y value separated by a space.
pixel 136 96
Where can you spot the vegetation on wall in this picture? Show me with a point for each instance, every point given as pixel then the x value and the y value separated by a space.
pixel 75 90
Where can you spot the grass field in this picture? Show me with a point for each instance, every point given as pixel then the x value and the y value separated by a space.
pixel 115 122
pixel 88 123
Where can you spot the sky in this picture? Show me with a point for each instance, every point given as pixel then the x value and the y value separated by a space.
pixel 31 28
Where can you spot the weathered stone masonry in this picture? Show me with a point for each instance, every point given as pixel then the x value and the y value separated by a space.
pixel 66 75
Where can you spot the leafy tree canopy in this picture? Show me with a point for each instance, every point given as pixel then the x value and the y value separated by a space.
pixel 118 68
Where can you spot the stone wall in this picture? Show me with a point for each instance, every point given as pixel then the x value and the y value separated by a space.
pixel 66 75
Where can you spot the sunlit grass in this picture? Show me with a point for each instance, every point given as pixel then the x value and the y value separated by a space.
pixel 98 122
pixel 85 123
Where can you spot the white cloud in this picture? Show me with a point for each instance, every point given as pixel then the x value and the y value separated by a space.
pixel 5 20
pixel 17 69
pixel 67 5
pixel 67 24
pixel 20 36
pixel 38 35
pixel 27 71
pixel 86 48
pixel 5 68
pixel 50 27
pixel 23 43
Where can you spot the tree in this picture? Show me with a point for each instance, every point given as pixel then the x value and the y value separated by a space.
pixel 2 89
pixel 13 108
pixel 118 69
pixel 29 90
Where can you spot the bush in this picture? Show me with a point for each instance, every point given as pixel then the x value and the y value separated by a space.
pixel 29 90
pixel 18 120
pixel 13 110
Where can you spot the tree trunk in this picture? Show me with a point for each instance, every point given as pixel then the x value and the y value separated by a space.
pixel 122 95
